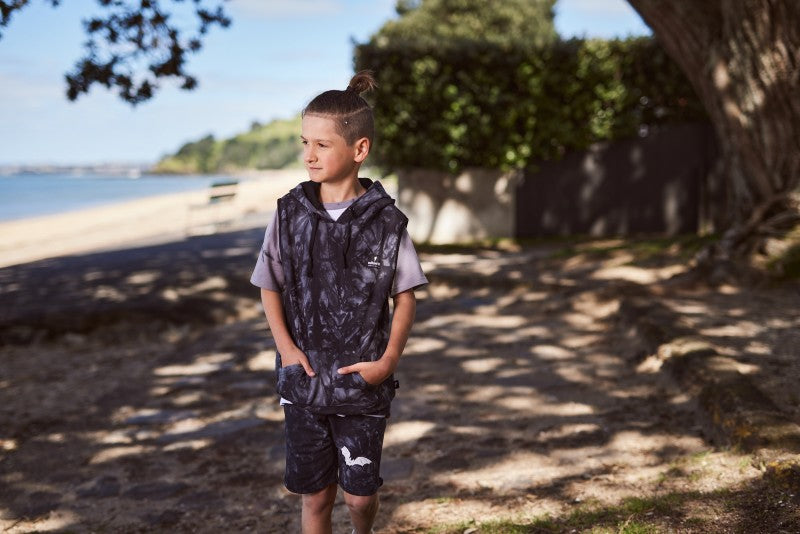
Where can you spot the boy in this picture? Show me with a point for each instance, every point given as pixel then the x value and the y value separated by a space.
pixel 334 253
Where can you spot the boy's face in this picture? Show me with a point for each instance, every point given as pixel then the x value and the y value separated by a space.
pixel 327 156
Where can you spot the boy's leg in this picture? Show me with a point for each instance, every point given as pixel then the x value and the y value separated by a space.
pixel 311 466
pixel 359 440
pixel 362 511
pixel 317 509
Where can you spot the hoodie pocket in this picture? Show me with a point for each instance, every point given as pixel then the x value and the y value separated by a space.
pixel 352 381
pixel 330 392
pixel 293 383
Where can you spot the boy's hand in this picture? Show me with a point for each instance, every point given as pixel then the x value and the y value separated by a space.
pixel 296 356
pixel 373 373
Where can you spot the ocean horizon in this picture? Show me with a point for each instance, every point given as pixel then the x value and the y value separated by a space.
pixel 27 195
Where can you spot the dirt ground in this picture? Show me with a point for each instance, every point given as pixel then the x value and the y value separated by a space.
pixel 137 395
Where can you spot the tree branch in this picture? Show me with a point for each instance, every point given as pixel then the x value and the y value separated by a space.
pixel 134 45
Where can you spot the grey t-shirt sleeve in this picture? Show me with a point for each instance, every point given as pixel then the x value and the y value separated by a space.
pixel 408 274
pixel 268 272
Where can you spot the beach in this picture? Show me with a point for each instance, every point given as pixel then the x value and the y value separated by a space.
pixel 151 220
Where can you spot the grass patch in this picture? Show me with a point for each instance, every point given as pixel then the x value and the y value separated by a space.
pixel 768 504
pixel 682 247
pixel 503 244
pixel 634 515
pixel 672 473
pixel 700 456
pixel 691 468
pixel 566 247
pixel 783 262
pixel 787 265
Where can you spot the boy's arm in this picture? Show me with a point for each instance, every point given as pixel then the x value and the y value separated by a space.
pixel 405 307
pixel 290 353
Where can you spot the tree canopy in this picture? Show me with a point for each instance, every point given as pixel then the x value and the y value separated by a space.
pixel 134 44
pixel 265 146
pixel 477 83
pixel 507 24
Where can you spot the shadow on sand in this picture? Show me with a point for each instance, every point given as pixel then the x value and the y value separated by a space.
pixel 137 394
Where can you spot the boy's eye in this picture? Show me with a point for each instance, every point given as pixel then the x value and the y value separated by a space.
pixel 303 141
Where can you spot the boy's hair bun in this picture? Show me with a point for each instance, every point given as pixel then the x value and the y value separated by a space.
pixel 351 113
pixel 362 81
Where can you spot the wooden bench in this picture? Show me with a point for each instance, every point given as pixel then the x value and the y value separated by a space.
pixel 218 210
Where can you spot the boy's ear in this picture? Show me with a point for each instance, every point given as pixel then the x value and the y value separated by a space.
pixel 361 149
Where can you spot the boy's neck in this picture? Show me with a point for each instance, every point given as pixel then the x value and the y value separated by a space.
pixel 339 192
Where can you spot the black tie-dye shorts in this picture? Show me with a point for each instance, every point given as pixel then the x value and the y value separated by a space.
pixel 324 449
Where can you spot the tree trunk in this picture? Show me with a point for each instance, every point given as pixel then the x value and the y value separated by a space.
pixel 743 59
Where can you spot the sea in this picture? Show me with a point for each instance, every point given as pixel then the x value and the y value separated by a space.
pixel 30 195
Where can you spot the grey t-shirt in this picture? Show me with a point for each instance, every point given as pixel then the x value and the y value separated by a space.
pixel 268 273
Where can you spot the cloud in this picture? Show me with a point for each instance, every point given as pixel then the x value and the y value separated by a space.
pixel 286 8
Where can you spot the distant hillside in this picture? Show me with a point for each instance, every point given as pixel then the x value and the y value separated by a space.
pixel 274 145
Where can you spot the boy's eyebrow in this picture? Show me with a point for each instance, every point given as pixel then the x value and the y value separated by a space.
pixel 323 140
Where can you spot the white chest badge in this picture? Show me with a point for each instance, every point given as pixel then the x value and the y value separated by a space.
pixel 374 262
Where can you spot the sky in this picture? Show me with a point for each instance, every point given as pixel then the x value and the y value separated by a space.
pixel 275 57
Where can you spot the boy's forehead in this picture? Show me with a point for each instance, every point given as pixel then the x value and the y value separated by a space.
pixel 319 127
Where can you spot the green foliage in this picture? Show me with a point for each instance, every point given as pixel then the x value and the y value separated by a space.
pixel 270 146
pixel 477 103
pixel 445 23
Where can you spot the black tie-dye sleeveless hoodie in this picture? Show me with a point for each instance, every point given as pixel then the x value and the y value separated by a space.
pixel 338 278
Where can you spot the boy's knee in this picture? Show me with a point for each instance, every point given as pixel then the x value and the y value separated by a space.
pixel 320 502
pixel 364 506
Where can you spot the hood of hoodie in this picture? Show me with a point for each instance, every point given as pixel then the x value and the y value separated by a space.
pixel 359 212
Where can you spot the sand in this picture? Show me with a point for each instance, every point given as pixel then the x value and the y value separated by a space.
pixel 150 220
pixel 137 394
pixel 137 388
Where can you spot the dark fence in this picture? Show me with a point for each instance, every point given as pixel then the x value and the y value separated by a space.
pixel 656 184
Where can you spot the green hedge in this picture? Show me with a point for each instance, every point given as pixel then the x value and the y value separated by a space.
pixel 478 105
